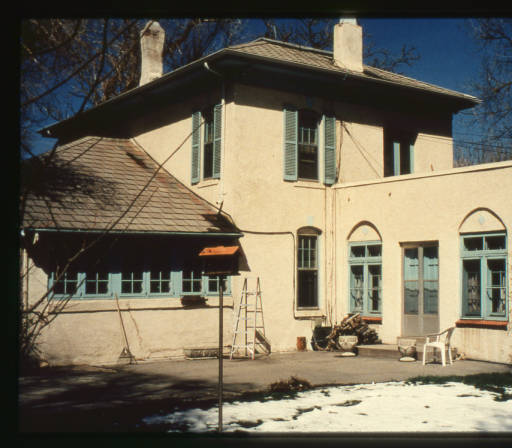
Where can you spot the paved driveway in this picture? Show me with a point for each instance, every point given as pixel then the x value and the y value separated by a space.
pixel 115 398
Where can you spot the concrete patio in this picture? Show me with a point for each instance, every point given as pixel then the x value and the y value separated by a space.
pixel 103 398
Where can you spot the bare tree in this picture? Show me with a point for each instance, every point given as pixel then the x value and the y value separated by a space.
pixel 492 120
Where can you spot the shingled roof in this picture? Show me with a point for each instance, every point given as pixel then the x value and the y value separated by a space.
pixel 308 57
pixel 272 53
pixel 95 184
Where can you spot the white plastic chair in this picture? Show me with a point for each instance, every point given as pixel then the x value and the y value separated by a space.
pixel 440 341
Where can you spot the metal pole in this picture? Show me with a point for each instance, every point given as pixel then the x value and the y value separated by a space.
pixel 221 300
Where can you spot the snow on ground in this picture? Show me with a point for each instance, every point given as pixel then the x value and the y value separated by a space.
pixel 384 407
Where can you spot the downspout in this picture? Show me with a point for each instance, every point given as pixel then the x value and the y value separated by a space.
pixel 220 201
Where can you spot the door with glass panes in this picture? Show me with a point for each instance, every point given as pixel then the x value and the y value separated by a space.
pixel 420 289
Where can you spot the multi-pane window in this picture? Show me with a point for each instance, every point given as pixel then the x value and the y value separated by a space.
pixel 96 283
pixel 135 283
pixel 307 264
pixel 67 283
pixel 303 149
pixel 191 282
pixel 159 282
pixel 365 264
pixel 484 276
pixel 308 145
pixel 132 282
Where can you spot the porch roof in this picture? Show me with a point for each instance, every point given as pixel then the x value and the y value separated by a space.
pixel 97 184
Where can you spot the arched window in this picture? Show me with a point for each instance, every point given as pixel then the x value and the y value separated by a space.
pixel 365 270
pixel 484 266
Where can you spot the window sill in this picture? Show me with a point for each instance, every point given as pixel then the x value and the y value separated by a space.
pixel 481 323
pixel 313 184
pixel 372 319
pixel 132 304
pixel 308 313
pixel 207 183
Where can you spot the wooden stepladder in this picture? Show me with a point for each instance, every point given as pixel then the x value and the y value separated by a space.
pixel 249 328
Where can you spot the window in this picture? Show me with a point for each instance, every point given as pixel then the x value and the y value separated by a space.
pixel 132 282
pixel 159 282
pixel 484 276
pixel 208 144
pixel 206 151
pixel 192 282
pixel 302 145
pixel 307 267
pixel 135 283
pixel 365 266
pixel 308 145
pixel 67 283
pixel 398 153
pixel 96 283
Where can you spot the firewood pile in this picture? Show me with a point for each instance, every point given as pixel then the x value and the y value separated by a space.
pixel 351 325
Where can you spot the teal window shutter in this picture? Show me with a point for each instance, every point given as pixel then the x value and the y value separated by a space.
pixel 396 158
pixel 329 150
pixel 217 139
pixel 290 144
pixel 196 146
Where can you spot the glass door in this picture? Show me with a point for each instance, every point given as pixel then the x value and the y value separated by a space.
pixel 421 290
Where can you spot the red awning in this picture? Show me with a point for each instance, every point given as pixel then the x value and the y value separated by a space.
pixel 219 250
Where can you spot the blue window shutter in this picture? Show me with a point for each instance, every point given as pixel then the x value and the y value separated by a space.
pixel 290 144
pixel 411 159
pixel 196 146
pixel 217 139
pixel 396 158
pixel 329 150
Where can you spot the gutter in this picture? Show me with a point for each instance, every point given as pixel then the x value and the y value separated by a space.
pixel 135 232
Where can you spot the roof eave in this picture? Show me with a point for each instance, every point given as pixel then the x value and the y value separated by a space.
pixel 465 101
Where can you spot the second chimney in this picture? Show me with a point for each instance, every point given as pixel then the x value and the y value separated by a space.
pixel 152 39
pixel 348 45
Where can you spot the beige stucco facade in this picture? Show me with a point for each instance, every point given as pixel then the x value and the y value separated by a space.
pixel 434 204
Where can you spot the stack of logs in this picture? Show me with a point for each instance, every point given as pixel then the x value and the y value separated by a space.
pixel 351 325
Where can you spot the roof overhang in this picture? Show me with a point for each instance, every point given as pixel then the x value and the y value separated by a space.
pixel 250 68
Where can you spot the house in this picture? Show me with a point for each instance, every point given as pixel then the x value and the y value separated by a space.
pixel 340 178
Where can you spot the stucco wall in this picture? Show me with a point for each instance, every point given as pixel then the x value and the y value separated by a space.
pixel 429 205
pixel 91 331
pixel 423 208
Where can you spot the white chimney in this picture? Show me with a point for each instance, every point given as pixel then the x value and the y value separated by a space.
pixel 152 39
pixel 348 45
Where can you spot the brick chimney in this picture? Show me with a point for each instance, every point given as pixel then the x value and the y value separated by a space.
pixel 152 39
pixel 348 45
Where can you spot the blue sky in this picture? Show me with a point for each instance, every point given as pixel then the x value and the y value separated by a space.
pixel 448 56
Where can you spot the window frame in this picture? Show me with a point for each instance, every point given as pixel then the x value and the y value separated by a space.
pixel 115 286
pixel 325 128
pixel 308 233
pixel 303 116
pixel 365 262
pixel 483 255
pixel 398 152
pixel 200 129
